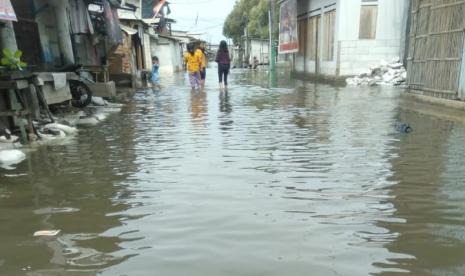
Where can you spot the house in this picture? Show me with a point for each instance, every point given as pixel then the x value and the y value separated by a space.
pixel 144 36
pixel 255 47
pixel 54 34
pixel 338 38
pixel 169 50
pixel 436 52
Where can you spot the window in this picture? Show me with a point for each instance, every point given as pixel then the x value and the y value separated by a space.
pixel 368 18
pixel 329 29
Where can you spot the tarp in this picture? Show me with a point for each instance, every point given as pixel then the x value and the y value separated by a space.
pixel 79 18
pixel 113 29
pixel 6 11
pixel 288 36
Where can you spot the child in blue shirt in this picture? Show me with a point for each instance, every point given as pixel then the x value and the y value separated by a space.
pixel 155 74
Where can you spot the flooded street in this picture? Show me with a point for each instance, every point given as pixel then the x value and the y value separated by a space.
pixel 297 179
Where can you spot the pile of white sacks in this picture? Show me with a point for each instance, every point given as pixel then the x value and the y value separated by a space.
pixel 390 74
pixel 12 152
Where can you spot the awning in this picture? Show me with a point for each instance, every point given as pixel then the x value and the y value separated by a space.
pixel 128 30
pixel 6 11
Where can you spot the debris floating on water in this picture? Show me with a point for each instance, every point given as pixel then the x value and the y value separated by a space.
pixel 46 233
pixel 403 127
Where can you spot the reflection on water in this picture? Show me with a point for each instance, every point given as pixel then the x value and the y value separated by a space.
pixel 251 181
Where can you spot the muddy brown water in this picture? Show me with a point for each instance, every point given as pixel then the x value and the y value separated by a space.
pixel 297 179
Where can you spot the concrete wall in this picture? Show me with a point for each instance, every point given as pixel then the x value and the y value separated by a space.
pixel 259 49
pixel 357 56
pixel 352 55
pixel 389 24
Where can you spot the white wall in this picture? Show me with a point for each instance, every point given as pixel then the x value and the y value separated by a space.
pixel 169 53
pixel 389 24
pixel 259 49
pixel 356 55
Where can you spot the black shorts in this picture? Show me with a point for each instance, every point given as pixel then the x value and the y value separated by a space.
pixel 203 73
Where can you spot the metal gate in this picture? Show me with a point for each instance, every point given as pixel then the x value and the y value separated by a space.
pixel 437 37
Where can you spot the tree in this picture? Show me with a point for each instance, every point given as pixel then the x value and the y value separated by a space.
pixel 248 14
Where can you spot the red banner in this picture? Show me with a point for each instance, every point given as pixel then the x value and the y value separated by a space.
pixel 6 11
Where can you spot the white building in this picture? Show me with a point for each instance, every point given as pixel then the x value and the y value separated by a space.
pixel 340 38
pixel 259 48
pixel 169 51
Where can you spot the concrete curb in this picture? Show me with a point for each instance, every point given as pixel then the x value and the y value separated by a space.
pixel 450 110
pixel 455 104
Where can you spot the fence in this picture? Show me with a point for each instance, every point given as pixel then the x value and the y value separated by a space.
pixel 436 48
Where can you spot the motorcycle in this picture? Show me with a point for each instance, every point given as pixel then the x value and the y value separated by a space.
pixel 80 91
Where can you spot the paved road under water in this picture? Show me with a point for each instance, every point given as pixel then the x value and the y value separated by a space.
pixel 306 179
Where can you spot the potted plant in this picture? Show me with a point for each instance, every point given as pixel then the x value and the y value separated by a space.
pixel 11 62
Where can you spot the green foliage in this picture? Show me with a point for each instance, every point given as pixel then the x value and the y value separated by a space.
pixel 13 60
pixel 250 14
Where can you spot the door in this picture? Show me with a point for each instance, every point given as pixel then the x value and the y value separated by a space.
pixel 27 33
pixel 302 24
pixel 312 41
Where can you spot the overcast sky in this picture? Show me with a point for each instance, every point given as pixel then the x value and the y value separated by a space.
pixel 211 15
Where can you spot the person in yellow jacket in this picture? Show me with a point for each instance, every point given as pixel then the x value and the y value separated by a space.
pixel 203 65
pixel 193 62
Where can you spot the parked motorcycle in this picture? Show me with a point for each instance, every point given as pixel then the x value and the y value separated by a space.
pixel 80 91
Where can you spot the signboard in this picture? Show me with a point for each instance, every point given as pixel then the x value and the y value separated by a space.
pixel 288 35
pixel 6 11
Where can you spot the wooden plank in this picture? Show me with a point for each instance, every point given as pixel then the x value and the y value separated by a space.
pixel 14 113
pixel 448 32
pixel 329 29
pixel 461 90
pixel 448 5
pixel 15 106
pixel 21 84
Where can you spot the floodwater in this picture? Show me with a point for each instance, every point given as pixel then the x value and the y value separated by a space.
pixel 296 179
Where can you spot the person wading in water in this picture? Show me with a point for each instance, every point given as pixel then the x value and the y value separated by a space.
pixel 193 61
pixel 224 63
pixel 203 65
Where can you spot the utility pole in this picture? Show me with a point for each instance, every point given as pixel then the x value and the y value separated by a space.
pixel 272 23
